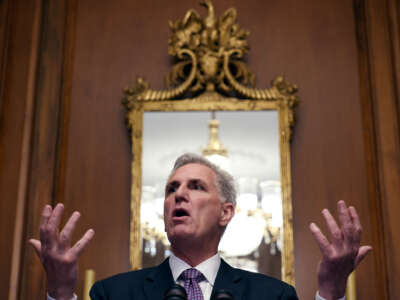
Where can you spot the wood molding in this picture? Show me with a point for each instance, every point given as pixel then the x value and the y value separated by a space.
pixel 25 159
pixel 367 108
pixel 6 9
pixel 49 130
pixel 394 30
pixel 20 32
pixel 379 105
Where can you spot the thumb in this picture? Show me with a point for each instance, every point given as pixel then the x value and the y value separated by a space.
pixel 37 246
pixel 362 253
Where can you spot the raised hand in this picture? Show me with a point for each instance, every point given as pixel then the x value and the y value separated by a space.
pixel 342 255
pixel 59 259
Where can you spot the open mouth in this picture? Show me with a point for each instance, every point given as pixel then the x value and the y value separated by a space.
pixel 180 212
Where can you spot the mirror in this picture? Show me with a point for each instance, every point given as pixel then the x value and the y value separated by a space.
pixel 255 167
pixel 211 94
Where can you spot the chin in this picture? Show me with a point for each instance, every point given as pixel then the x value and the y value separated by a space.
pixel 179 235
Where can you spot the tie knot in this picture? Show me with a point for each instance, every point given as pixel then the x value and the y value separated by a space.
pixel 192 274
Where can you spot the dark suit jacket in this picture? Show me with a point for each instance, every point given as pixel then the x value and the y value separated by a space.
pixel 151 284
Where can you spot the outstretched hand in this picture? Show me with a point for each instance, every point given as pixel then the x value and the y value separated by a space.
pixel 59 259
pixel 342 254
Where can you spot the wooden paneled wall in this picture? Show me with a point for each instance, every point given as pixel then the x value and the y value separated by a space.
pixel 63 65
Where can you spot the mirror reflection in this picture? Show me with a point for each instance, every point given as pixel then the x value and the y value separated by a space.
pixel 245 143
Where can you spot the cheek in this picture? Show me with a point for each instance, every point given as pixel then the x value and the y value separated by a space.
pixel 167 207
pixel 211 215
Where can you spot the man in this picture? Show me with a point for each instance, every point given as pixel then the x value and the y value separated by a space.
pixel 199 203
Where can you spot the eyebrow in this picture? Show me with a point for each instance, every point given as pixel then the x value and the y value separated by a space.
pixel 198 180
pixel 175 183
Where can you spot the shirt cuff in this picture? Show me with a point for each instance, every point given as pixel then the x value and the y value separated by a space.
pixel 75 297
pixel 318 297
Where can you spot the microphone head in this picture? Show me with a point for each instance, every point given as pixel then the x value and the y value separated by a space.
pixel 175 292
pixel 222 295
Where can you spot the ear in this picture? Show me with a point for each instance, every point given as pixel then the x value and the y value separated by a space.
pixel 227 213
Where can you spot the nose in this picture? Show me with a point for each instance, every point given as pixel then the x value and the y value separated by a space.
pixel 181 194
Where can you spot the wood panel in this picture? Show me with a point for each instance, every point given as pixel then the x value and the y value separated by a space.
pixel 97 178
pixel 345 60
pixel 328 150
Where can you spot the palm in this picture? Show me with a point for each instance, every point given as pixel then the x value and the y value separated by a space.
pixel 59 259
pixel 342 254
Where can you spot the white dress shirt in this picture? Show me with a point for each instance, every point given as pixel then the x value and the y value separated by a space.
pixel 209 268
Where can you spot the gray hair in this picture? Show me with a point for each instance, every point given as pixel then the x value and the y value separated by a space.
pixel 223 180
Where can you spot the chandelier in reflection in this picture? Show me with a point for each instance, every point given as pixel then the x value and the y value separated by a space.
pixel 215 152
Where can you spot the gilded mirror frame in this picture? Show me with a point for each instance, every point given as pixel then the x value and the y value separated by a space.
pixel 210 77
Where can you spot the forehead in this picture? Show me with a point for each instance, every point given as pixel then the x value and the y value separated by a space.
pixel 193 171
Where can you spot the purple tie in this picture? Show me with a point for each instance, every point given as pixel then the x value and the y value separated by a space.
pixel 192 277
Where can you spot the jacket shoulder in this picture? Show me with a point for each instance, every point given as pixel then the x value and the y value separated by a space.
pixel 120 286
pixel 128 276
pixel 259 277
pixel 266 287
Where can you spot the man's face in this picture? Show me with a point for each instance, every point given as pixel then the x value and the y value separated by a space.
pixel 192 207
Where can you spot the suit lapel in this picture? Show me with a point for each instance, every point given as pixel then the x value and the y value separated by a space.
pixel 158 281
pixel 229 279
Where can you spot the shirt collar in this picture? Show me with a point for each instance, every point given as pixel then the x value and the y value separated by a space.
pixel 209 267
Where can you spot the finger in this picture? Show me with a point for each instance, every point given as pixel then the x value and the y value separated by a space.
pixel 44 232
pixel 50 230
pixel 356 224
pixel 333 227
pixel 320 238
pixel 66 233
pixel 55 218
pixel 345 221
pixel 83 242
pixel 362 253
pixel 45 215
pixel 37 246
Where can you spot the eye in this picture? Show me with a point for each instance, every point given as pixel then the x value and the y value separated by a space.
pixel 170 189
pixel 197 186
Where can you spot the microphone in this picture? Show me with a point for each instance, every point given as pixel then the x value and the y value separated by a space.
pixel 222 295
pixel 175 292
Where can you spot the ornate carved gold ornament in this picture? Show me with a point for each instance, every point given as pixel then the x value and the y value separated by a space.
pixel 209 75
pixel 209 56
